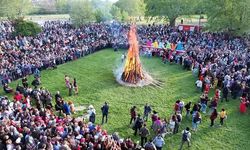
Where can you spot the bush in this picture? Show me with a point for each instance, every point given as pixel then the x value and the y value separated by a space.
pixel 26 28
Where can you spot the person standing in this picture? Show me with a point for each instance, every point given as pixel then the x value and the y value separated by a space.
pixel 159 142
pixel 223 115
pixel 70 89
pixel 147 111
pixel 144 133
pixel 25 82
pixel 91 113
pixel 196 121
pixel 150 145
pixel 133 114
pixel 138 124
pixel 187 107
pixel 75 86
pixel 105 111
pixel 213 117
pixel 186 137
pixel 123 57
pixel 66 108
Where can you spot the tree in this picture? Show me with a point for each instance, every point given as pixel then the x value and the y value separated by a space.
pixel 102 10
pixel 82 12
pixel 169 8
pixel 125 16
pixel 116 13
pixel 26 28
pixel 62 6
pixel 228 15
pixel 15 8
pixel 132 7
pixel 102 15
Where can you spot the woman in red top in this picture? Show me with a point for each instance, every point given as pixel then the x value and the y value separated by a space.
pixel 18 96
pixel 133 114
pixel 243 107
pixel 213 117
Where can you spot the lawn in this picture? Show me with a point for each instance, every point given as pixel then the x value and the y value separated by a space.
pixel 97 84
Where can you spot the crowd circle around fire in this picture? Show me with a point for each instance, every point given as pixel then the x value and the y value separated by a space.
pixel 220 63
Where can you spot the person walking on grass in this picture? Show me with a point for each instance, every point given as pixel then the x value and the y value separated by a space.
pixel 196 121
pixel 133 114
pixel 225 92
pixel 223 115
pixel 188 107
pixel 70 89
pixel 213 117
pixel 75 86
pixel 105 111
pixel 159 142
pixel 144 133
pixel 186 137
pixel 147 111
pixel 138 124
pixel 150 145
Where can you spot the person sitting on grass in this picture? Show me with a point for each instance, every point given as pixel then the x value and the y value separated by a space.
pixel 72 107
pixel 7 89
pixel 66 108
pixel 18 96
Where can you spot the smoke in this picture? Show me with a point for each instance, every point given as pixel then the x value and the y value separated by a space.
pixel 148 80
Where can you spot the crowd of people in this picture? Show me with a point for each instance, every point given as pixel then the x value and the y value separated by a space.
pixel 30 121
pixel 58 43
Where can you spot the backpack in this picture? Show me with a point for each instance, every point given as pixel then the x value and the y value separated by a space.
pixel 185 136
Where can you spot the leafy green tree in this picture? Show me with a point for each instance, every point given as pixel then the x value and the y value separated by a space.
pixel 15 8
pixel 125 16
pixel 228 15
pixel 132 7
pixel 102 10
pixel 116 13
pixel 102 15
pixel 82 12
pixel 26 28
pixel 62 6
pixel 171 9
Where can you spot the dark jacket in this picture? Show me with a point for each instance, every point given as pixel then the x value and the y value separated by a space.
pixel 105 109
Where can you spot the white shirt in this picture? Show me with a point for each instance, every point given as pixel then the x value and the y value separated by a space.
pixel 198 83
pixel 188 135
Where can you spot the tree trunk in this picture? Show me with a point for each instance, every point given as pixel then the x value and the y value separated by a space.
pixel 172 21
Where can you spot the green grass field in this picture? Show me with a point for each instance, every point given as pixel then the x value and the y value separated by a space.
pixel 97 84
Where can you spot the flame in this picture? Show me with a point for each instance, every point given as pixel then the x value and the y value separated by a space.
pixel 132 72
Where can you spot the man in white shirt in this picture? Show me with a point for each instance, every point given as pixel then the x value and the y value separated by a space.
pixel 198 84
pixel 159 142
pixel 186 137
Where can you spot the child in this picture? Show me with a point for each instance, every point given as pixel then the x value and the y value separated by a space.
pixel 72 107
pixel 223 115
pixel 67 81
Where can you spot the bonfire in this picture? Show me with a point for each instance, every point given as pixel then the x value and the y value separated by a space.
pixel 132 72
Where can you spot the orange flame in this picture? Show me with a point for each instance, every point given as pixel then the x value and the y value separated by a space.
pixel 132 72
